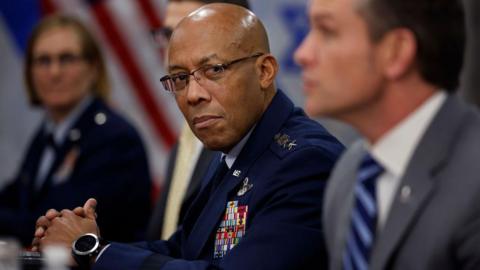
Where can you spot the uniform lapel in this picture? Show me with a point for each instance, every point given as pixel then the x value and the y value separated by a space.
pixel 205 158
pixel 59 158
pixel 207 220
pixel 418 183
pixel 84 123
pixel 262 136
pixel 30 170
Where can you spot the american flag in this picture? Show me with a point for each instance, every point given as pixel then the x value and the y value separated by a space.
pixel 135 64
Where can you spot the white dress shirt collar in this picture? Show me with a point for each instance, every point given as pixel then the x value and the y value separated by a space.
pixel 395 149
pixel 61 129
pixel 232 155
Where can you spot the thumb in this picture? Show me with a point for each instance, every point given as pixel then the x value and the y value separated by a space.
pixel 89 208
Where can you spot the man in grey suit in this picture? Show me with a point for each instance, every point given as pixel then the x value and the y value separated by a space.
pixel 408 195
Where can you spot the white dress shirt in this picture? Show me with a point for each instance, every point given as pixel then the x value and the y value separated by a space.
pixel 232 155
pixel 395 149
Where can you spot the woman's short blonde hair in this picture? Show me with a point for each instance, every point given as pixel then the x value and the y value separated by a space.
pixel 90 51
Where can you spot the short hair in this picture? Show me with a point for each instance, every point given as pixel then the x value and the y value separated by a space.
pixel 90 51
pixel 439 28
pixel 243 3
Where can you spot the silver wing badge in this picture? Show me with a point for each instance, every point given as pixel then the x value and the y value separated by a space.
pixel 245 187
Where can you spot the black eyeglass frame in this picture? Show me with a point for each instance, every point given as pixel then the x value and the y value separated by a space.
pixel 168 80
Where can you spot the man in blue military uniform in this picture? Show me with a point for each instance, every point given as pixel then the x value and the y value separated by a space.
pixel 260 203
pixel 188 160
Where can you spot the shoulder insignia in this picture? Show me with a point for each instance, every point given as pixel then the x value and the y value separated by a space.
pixel 284 141
pixel 100 118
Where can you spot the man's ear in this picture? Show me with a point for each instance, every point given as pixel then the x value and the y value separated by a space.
pixel 398 49
pixel 267 68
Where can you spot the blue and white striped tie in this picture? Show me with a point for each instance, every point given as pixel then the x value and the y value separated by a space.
pixel 364 217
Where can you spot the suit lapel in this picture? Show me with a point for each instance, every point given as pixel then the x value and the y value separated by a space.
pixel 30 169
pixel 418 183
pixel 260 139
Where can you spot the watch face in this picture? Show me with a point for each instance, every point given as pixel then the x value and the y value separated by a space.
pixel 86 244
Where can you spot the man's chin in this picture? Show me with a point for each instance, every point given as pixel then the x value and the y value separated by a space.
pixel 216 145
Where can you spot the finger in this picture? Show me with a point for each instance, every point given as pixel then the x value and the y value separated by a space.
pixel 42 222
pixel 66 213
pixel 79 211
pixel 52 213
pixel 35 244
pixel 89 208
pixel 39 232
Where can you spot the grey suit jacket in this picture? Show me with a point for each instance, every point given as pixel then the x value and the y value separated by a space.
pixel 434 220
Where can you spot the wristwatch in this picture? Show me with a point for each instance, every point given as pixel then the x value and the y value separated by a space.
pixel 86 248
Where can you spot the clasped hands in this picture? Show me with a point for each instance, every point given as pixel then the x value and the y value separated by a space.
pixel 64 227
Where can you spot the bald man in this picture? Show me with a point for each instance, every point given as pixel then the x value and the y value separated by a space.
pixel 259 206
pixel 188 160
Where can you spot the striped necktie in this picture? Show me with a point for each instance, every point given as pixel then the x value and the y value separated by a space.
pixel 364 217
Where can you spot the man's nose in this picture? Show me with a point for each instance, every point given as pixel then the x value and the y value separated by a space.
pixel 195 91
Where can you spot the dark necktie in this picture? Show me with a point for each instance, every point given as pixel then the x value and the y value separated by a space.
pixel 361 235
pixel 50 141
pixel 217 177
pixel 205 195
pixel 44 171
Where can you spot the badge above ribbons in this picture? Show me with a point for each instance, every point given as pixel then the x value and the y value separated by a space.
pixel 231 229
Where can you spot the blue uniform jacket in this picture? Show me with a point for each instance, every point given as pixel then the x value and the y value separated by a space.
pixel 102 157
pixel 266 213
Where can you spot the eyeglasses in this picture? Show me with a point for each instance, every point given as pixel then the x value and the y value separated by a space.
pixel 177 82
pixel 63 59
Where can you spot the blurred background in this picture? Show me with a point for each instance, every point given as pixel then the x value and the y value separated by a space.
pixel 135 65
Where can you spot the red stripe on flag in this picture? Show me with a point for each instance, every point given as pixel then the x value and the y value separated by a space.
pixel 142 90
pixel 47 7
pixel 149 11
pixel 154 22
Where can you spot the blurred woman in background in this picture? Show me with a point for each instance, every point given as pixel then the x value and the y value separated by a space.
pixel 82 149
